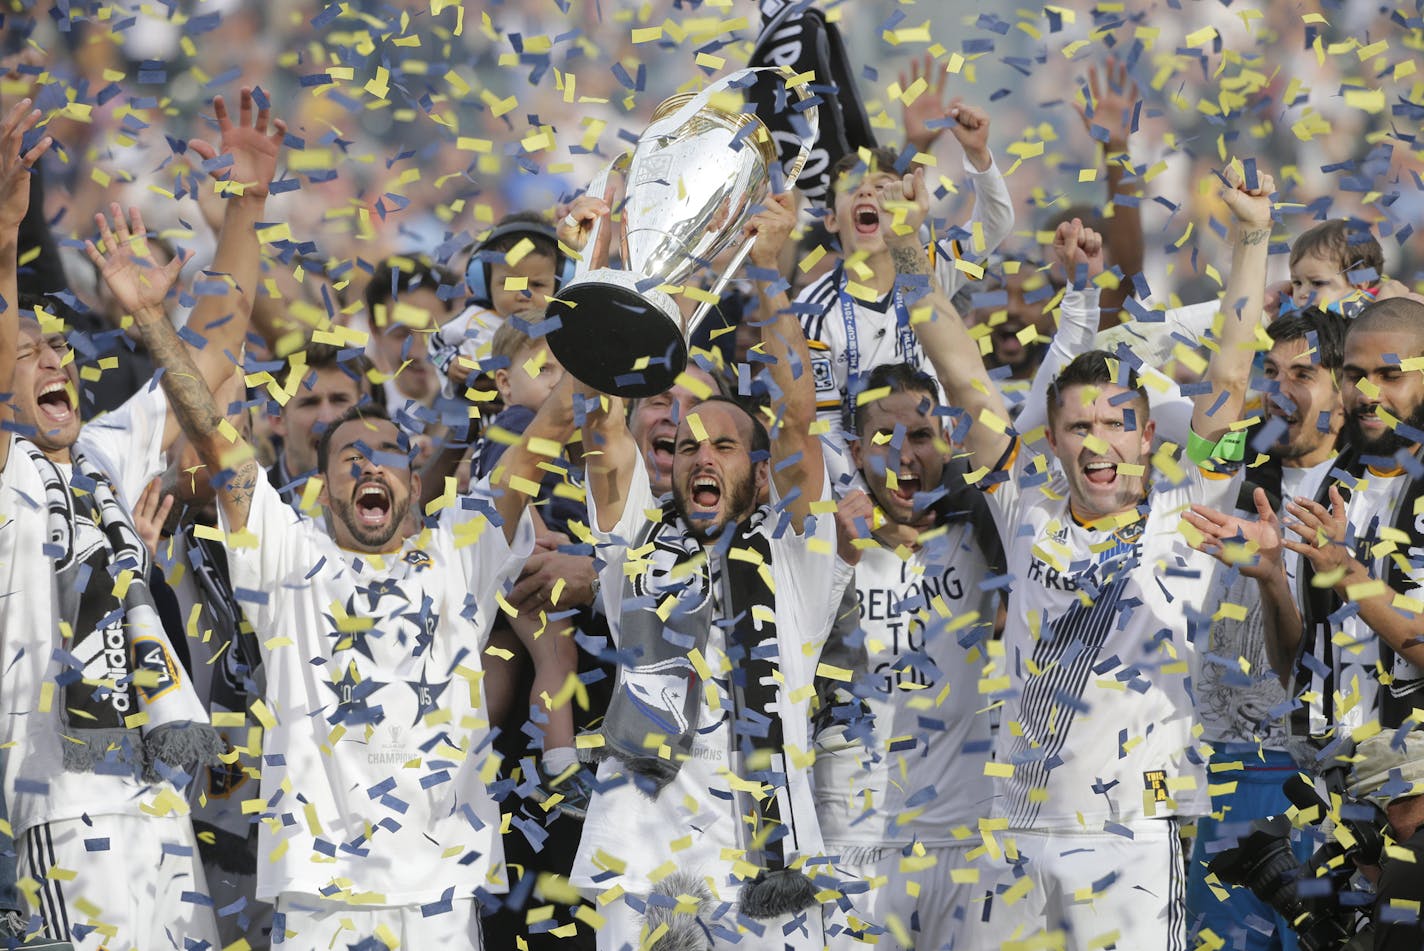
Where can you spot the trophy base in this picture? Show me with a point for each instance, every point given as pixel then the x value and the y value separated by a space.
pixel 614 338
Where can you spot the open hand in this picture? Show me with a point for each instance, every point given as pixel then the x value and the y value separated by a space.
pixel 125 260
pixel 1109 105
pixel 251 147
pixel 15 167
pixel 1255 546
pixel 1323 532
pixel 151 514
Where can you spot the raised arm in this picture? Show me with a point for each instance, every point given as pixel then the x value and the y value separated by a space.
pixel 14 202
pixel 123 257
pixel 1229 371
pixel 609 449
pixel 516 477
pixel 1107 115
pixel 797 466
pixel 952 352
pixel 243 166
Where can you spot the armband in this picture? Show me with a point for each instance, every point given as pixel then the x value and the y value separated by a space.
pixel 1229 448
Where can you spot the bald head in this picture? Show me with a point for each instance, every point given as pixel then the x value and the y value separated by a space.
pixel 1394 315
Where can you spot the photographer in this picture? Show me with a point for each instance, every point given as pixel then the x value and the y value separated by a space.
pixel 1390 771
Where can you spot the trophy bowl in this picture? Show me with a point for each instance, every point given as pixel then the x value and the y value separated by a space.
pixel 694 180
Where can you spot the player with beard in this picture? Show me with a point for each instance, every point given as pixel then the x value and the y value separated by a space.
pixel 82 767
pixel 1370 665
pixel 718 606
pixel 1095 755
pixel 370 638
pixel 1361 664
pixel 925 617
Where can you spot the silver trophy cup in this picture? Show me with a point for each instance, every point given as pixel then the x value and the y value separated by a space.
pixel 696 177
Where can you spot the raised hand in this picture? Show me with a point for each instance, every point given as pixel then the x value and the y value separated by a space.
pixel 1079 252
pixel 577 224
pixel 125 260
pixel 1250 203
pixel 971 129
pixel 1255 545
pixel 15 167
pixel 1323 532
pixel 770 229
pixel 908 203
pixel 251 147
pixel 929 106
pixel 1109 105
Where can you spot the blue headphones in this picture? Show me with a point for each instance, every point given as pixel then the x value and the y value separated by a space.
pixel 477 272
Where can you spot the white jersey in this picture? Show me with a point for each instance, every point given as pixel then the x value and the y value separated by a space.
pixel 1097 723
pixel 694 821
pixel 848 337
pixel 1344 673
pixel 127 445
pixel 468 335
pixel 926 621
pixel 377 724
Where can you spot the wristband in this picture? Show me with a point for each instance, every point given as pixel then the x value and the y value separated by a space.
pixel 1229 448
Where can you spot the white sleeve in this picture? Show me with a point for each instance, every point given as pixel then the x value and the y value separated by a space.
pixel 489 560
pixel 993 212
pixel 127 443
pixel 611 548
pixel 811 559
pixel 1078 317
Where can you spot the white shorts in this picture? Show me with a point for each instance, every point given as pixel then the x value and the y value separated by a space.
pixel 1095 889
pixel 905 902
pixel 309 923
pixel 140 876
pixel 622 929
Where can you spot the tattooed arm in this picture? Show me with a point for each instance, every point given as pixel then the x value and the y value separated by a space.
pixel 1229 371
pixel 125 258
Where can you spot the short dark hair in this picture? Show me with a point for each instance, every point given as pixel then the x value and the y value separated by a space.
pixel 898 378
pixel 366 412
pixel 1328 329
pixel 1095 368
pixel 761 439
pixel 324 356
pixel 881 160
pixel 397 276
pixel 1347 243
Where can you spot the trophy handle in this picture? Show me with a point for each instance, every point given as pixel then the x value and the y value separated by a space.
pixel 598 188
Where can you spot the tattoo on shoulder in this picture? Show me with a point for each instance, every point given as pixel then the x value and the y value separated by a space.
pixel 911 260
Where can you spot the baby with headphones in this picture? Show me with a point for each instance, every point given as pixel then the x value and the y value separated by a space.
pixel 513 270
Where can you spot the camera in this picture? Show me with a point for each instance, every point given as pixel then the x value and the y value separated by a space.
pixel 1315 897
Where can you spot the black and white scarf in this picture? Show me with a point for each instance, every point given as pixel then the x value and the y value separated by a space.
pixel 667 613
pixel 795 34
pixel 1323 609
pixel 128 706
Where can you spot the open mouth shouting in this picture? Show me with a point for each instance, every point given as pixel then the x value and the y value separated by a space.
pixel 1101 473
pixel 662 450
pixel 56 402
pixel 373 503
pixel 866 216
pixel 706 493
pixel 904 489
